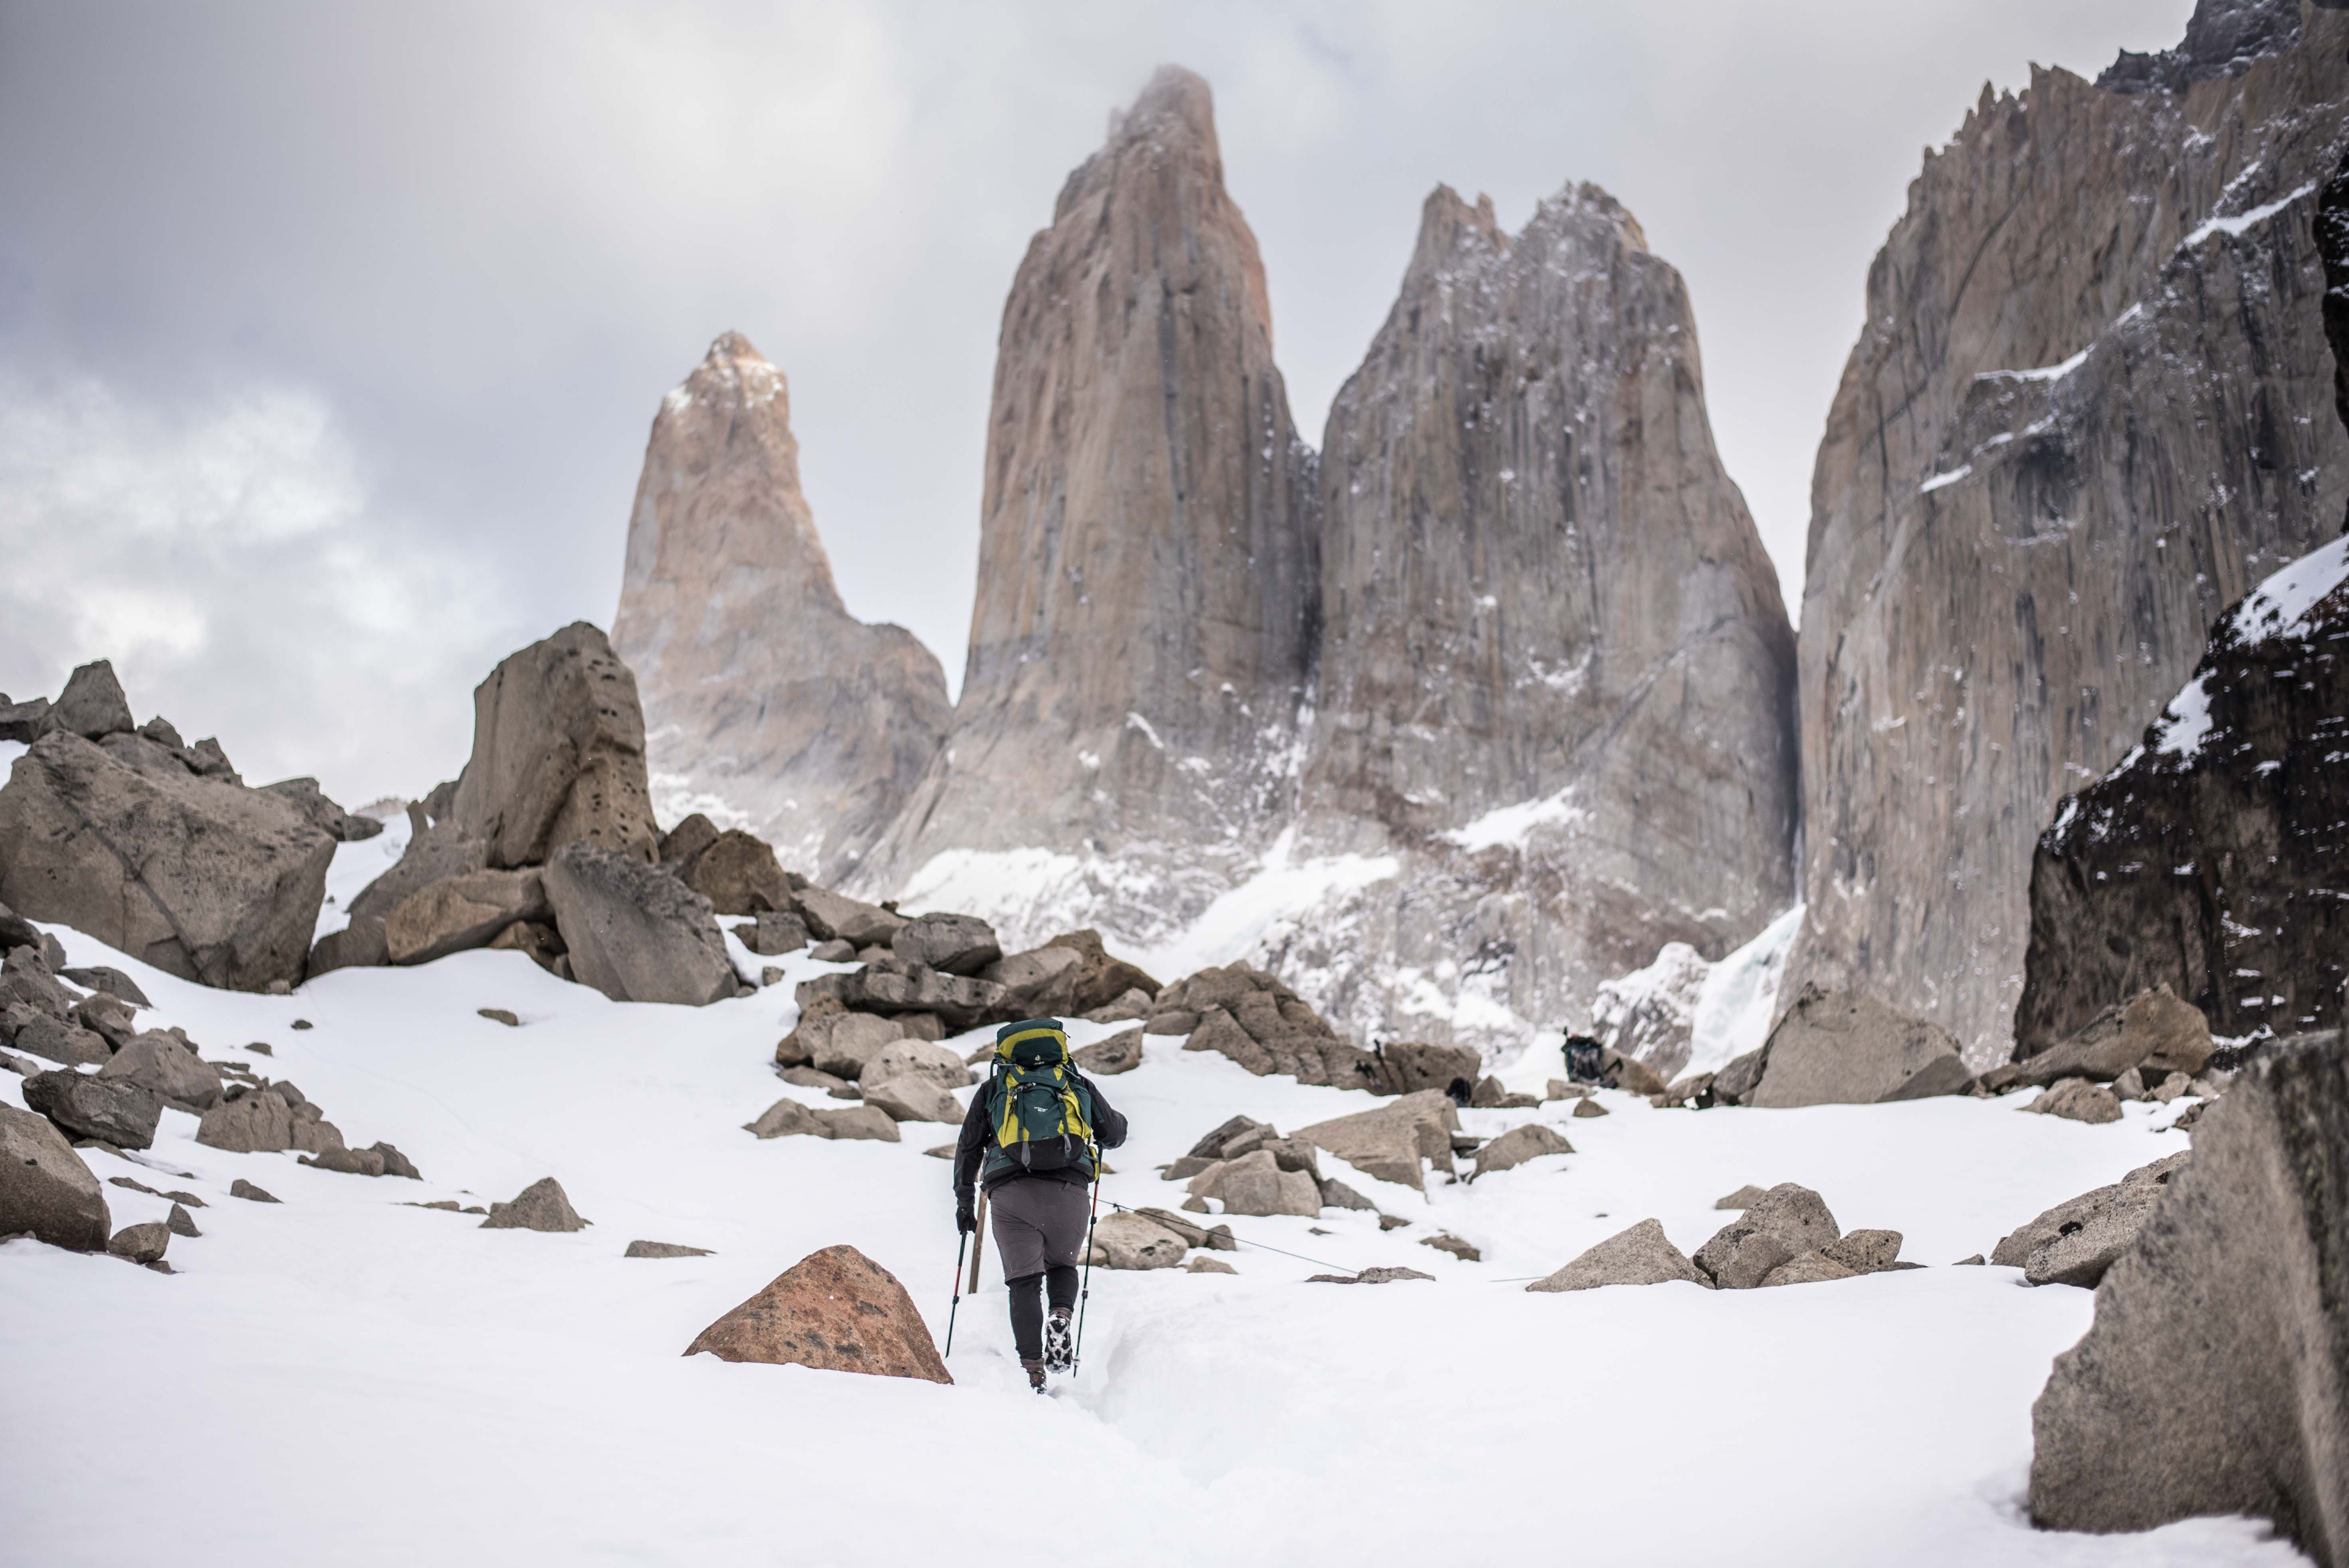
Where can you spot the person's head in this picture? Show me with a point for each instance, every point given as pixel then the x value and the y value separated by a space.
pixel 1032 1043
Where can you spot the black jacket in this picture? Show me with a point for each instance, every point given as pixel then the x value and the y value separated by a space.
pixel 970 1149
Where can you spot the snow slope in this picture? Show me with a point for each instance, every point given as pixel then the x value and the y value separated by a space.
pixel 340 1378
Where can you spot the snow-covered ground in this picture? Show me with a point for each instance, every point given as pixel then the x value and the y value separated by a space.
pixel 340 1378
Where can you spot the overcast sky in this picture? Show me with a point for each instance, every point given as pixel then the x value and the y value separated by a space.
pixel 330 335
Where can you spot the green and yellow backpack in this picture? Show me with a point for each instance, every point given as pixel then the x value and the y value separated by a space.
pixel 1039 1110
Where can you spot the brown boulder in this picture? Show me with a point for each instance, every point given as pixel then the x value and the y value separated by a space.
pixel 1846 1048
pixel 836 1310
pixel 45 1189
pixel 1389 1143
pixel 738 874
pixel 461 913
pixel 1262 1025
pixel 541 1206
pixel 1641 1255
pixel 2153 1032
pixel 1120 1053
pixel 634 931
pixel 1099 979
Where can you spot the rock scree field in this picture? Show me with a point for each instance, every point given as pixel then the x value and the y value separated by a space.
pixel 375 1381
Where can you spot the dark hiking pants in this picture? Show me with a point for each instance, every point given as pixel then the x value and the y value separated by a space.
pixel 1039 1228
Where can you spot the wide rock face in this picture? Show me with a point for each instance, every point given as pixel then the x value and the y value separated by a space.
pixel 2216 1377
pixel 46 1191
pixel 636 932
pixel 1143 631
pixel 759 686
pixel 2209 860
pixel 836 1309
pixel 2074 428
pixel 1844 1048
pixel 558 755
pixel 1557 678
pixel 203 879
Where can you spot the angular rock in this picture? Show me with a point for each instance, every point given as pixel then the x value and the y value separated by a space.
pixel 912 1096
pixel 1126 1007
pixel 1733 1084
pixel 112 981
pixel 1256 1184
pixel 1406 1066
pixel 1446 1242
pixel 92 705
pixel 2215 1379
pixel 322 814
pixel 830 917
pixel 634 931
pixel 1589 1108
pixel 774 934
pixel 1811 1268
pixel 787 1118
pixel 45 1189
pixel 1266 1028
pixel 663 1249
pixel 541 1206
pixel 922 1058
pixel 1389 1143
pixel 1865 1251
pixel 558 756
pixel 1120 1053
pixel 157 1062
pixel 358 945
pixel 109 1109
pixel 256 1123
pixel 141 1243
pixel 53 1040
pixel 738 874
pixel 1123 1241
pixel 1787 1221
pixel 890 985
pixel 1208 1265
pixel 1038 984
pixel 1641 1255
pixel 834 1309
pixel 841 1043
pixel 951 944
pixel 1103 980
pixel 1225 1142
pixel 349 1162
pixel 180 1223
pixel 241 1188
pixel 2077 1240
pixel 110 1019
pixel 203 879
pixel 1370 1276
pixel 1335 1194
pixel 1519 1144
pixel 461 913
pixel 2077 1099
pixel 1846 1048
pixel 24 722
pixel 860 1121
pixel 434 854
pixel 2152 1030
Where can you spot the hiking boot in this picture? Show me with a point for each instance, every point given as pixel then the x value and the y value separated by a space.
pixel 1058 1355
pixel 1035 1373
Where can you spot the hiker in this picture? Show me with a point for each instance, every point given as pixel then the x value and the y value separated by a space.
pixel 1032 1139
pixel 1586 1059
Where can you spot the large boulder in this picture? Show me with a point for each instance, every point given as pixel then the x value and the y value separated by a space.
pixel 52 1040
pixel 1262 1025
pixel 93 705
pixel 1846 1048
pixel 1786 1223
pixel 1099 979
pixel 890 984
pixel 1641 1255
pixel 46 1191
pixel 258 1121
pixel 942 1065
pixel 1124 1240
pixel 841 1043
pixel 1519 1144
pixel 1406 1066
pixel 1120 1053
pixel 859 1122
pixel 789 1119
pixel 558 755
pixel 165 1066
pixel 2077 1099
pixel 305 796
pixel 2075 1241
pixel 461 913
pixel 1256 1184
pixel 111 1110
pixel 2215 1379
pixel 951 944
pixel 836 1310
pixel 1390 1143
pixel 541 1206
pixel 738 874
pixel 433 855
pixel 909 1097
pixel 204 880
pixel 2153 1032
pixel 634 931
pixel 1039 983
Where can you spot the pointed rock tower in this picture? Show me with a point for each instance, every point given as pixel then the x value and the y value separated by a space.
pixel 766 703
pixel 1143 629
pixel 1555 677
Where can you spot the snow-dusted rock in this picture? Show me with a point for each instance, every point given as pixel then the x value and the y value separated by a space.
pixel 2077 1099
pixel 735 871
pixel 1407 1067
pixel 2004 587
pixel 111 1110
pixel 1519 1144
pixel 256 1122
pixel 558 755
pixel 1848 1048
pixel 1255 1183
pixel 663 1249
pixel 1120 1053
pixel 1866 1252
pixel 910 1096
pixel 1040 983
pixel 941 1064
pixel 1811 1268
pixel 788 1118
pixel 46 1191
pixel 2077 1240
pixel 868 1121
pixel 834 1309
pixel 950 944
pixel 2215 1379
pixel 200 878
pixel 830 915
pixel 52 1040
pixel 1389 1143
pixel 1642 1255
pixel 1786 1222
pixel 541 1206
pixel 1264 1027
pixel 634 931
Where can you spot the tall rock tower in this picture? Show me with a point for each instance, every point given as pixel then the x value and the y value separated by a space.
pixel 1556 678
pixel 1144 626
pixel 766 703
pixel 2088 410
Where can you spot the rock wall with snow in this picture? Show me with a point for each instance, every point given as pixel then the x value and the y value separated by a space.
pixel 767 704
pixel 1556 678
pixel 2086 413
pixel 1144 626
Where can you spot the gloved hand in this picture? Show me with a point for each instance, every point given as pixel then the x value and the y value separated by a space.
pixel 965 1218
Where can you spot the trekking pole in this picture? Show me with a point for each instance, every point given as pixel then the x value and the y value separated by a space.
pixel 979 1244
pixel 962 1240
pixel 1085 1293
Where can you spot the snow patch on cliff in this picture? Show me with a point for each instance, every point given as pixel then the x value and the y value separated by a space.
pixel 2279 606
